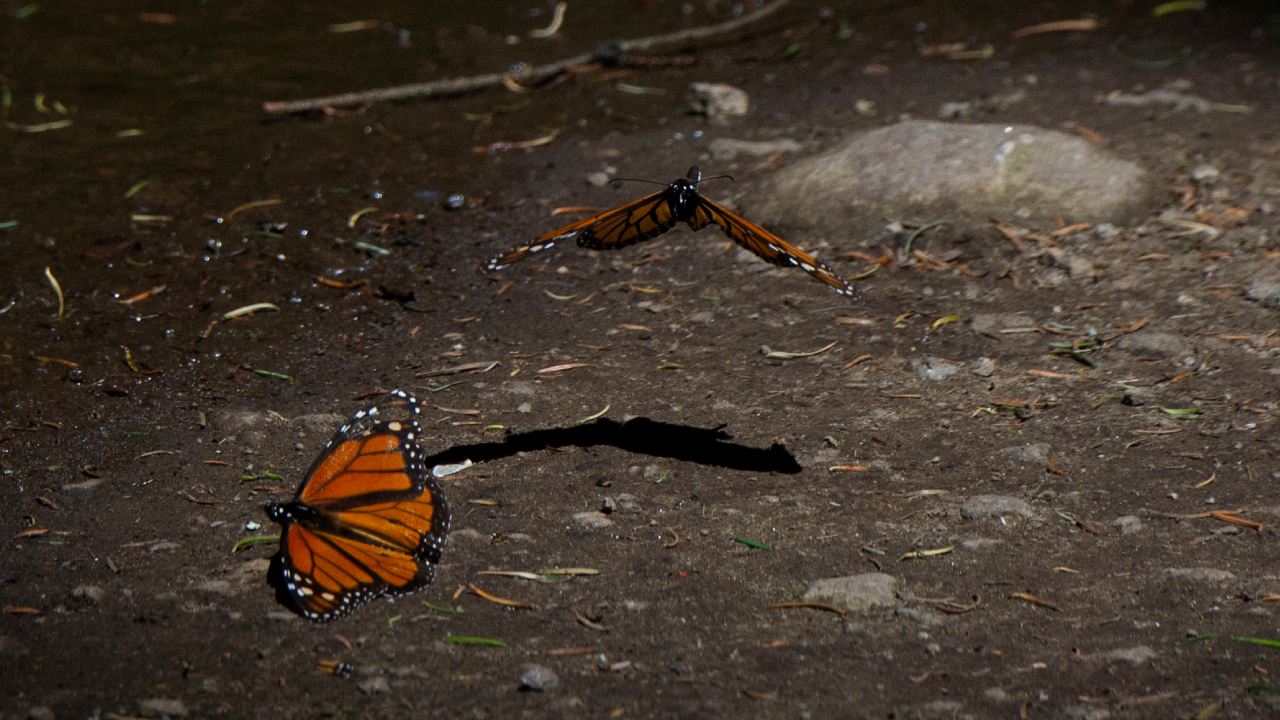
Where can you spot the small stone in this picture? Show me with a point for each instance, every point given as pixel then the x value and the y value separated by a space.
pixel 316 424
pixel 994 506
pixel 1105 232
pixel 1210 575
pixel 538 678
pixel 524 408
pixel 599 178
pixel 941 709
pixel 592 520
pixel 1265 289
pixel 855 593
pixel 468 535
pixel 1079 267
pixel 162 546
pixel 927 617
pixel 1205 174
pixel 717 101
pixel 1136 655
pixel 376 685
pixel 40 712
pixel 1129 524
pixel 1031 453
pixel 932 368
pixel 215 587
pixel 90 594
pixel 162 708
pixel 726 149
pixel 1085 712
pixel 991 324
pixel 984 367
pixel 1158 344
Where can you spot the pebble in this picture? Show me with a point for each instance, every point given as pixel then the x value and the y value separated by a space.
pixel 1265 289
pixel 592 520
pixel 928 617
pixel 162 708
pixel 932 368
pixel 90 594
pixel 1211 575
pixel 1085 712
pixel 992 323
pixel 983 367
pixel 1159 344
pixel 1204 174
pixel 1129 524
pixel 995 506
pixel 215 587
pixel 855 593
pixel 622 502
pixel 1031 453
pixel 1136 655
pixel 40 712
pixel 468 535
pixel 538 678
pixel 717 101
pixel 726 149
pixel 376 685
pixel 997 694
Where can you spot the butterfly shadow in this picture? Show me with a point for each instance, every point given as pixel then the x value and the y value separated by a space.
pixel 704 446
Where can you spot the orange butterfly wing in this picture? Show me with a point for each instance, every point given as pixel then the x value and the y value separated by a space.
pixel 638 220
pixel 654 214
pixel 765 244
pixel 368 521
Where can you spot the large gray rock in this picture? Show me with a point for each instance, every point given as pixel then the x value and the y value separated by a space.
pixel 965 174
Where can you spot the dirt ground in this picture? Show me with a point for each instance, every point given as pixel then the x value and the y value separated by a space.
pixel 1122 405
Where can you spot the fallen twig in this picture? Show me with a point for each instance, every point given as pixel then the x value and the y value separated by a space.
pixel 607 51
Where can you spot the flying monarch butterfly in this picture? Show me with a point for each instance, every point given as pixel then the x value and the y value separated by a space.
pixel 650 216
pixel 367 521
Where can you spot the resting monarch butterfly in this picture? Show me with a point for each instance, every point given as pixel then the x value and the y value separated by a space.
pixel 654 214
pixel 368 519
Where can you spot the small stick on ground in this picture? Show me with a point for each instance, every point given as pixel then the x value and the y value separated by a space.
pixel 606 51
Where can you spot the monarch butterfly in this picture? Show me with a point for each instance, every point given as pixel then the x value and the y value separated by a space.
pixel 368 519
pixel 654 214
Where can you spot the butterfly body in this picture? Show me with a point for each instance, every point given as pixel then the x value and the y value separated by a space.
pixel 680 201
pixel 368 520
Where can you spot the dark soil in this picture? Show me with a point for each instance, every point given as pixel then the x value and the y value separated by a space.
pixel 136 429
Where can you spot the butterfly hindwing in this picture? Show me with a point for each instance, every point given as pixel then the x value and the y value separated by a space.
pixel 637 221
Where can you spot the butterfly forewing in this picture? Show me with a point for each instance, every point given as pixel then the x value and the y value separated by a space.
pixel 357 466
pixel 639 220
pixel 766 245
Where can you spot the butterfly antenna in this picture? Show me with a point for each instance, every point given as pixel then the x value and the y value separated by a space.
pixel 718 177
pixel 616 183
